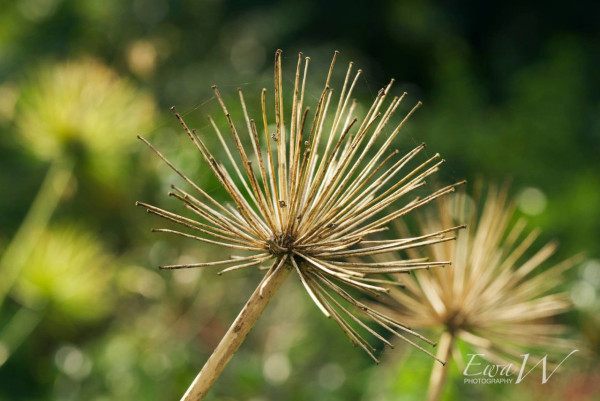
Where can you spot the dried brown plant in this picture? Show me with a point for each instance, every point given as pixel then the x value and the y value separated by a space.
pixel 491 297
pixel 320 185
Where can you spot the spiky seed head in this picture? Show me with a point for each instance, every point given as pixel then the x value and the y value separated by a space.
pixel 314 197
pixel 491 297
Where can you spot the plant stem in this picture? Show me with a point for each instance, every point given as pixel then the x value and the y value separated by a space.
pixel 34 223
pixel 17 330
pixel 440 372
pixel 236 334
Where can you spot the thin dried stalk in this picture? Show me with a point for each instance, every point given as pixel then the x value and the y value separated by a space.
pixel 439 372
pixel 236 334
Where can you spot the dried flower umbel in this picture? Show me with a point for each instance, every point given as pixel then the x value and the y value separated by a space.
pixel 308 205
pixel 489 298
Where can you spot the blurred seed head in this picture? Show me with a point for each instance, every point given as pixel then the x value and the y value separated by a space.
pixel 70 272
pixel 81 106
pixel 500 294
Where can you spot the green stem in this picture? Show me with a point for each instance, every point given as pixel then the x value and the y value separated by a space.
pixel 35 222
pixel 440 372
pixel 16 331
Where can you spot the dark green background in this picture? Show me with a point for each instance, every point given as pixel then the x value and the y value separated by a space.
pixel 510 92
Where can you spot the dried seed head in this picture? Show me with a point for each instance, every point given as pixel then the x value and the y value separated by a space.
pixel 489 298
pixel 320 187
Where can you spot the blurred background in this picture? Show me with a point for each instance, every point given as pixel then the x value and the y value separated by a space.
pixel 510 92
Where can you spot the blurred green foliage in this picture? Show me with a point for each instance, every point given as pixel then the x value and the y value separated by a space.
pixel 67 269
pixel 510 92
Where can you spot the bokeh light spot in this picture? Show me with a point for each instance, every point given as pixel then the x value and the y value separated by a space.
pixel 532 201
pixel 141 58
pixel 72 362
pixel 590 272
pixel 277 368
pixel 583 294
pixel 331 376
